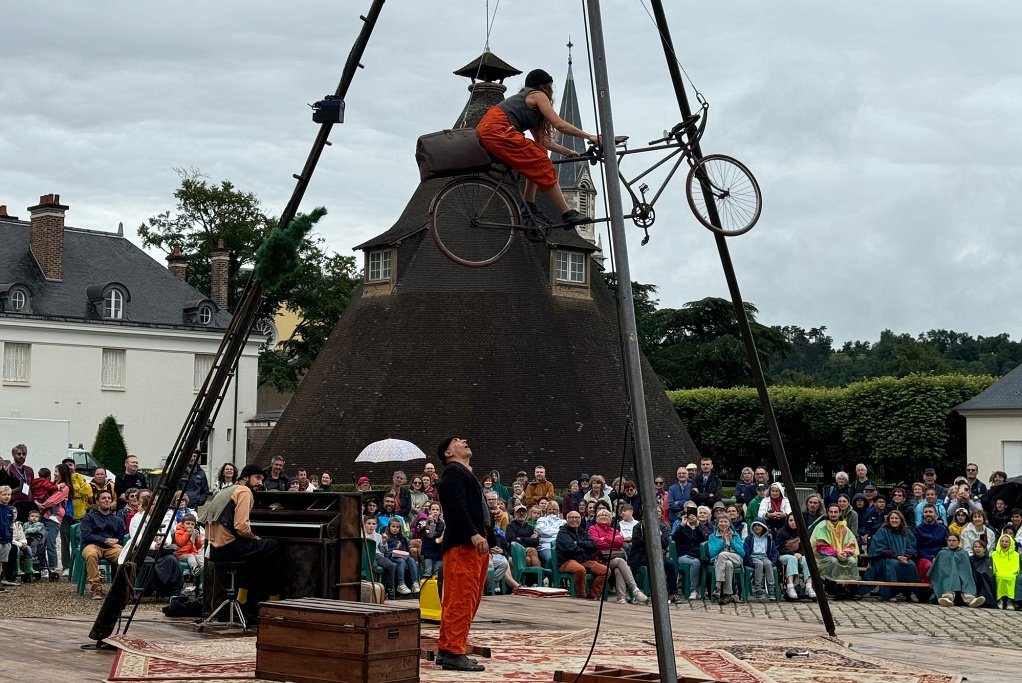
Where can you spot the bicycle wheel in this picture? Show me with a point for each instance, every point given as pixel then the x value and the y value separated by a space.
pixel 721 186
pixel 473 221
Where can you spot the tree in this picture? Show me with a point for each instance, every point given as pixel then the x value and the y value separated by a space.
pixel 648 319
pixel 109 449
pixel 319 290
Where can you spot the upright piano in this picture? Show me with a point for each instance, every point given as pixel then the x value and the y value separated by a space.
pixel 321 535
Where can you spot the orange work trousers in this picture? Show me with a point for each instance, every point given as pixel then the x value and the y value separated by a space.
pixel 578 573
pixel 464 579
pixel 504 141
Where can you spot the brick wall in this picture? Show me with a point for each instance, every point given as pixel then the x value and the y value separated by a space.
pixel 46 235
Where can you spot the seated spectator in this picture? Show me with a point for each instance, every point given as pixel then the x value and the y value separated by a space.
pixel 997 477
pixel 521 532
pixel 1006 573
pixel 752 509
pixel 518 495
pixel 876 515
pixel 627 522
pixel 663 497
pixel 761 555
pixel 395 548
pixel 498 486
pixel 900 501
pixel 840 485
pixel 179 503
pixel 101 531
pixel 21 554
pixel 737 521
pixel 500 518
pixel 792 559
pixel 35 534
pixel 548 527
pixel 638 557
pixel 835 548
pixel 597 491
pixel 999 514
pixel 745 489
pixel 575 549
pixel 383 563
pixel 930 498
pixel 500 548
pixel 188 539
pixel 983 574
pixel 951 575
pixel 848 513
pixel 959 520
pixel 130 507
pixel 774 509
pixel 705 516
pixel 931 538
pixel 568 503
pixel 726 551
pixel 813 511
pixel 166 578
pixel 610 551
pixel 861 507
pixel 706 485
pixel 429 487
pixel 892 553
pixel 978 530
pixel 418 494
pixel 960 496
pixel 688 536
pixel 430 531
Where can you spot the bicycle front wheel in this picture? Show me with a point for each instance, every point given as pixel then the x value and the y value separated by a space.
pixel 473 221
pixel 723 195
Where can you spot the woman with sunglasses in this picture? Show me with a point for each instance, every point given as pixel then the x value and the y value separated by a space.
pixel 418 494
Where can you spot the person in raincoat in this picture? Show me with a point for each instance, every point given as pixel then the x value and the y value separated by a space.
pixel 1006 572
pixel 951 574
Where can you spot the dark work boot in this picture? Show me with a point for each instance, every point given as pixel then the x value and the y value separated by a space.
pixel 454 662
pixel 572 217
pixel 536 214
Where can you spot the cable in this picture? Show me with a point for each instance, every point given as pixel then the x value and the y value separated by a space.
pixel 670 47
pixel 486 48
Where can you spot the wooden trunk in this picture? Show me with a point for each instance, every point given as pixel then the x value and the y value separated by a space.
pixel 313 640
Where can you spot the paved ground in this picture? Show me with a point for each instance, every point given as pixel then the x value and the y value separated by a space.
pixel 975 626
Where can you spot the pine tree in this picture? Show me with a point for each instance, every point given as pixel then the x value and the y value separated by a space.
pixel 109 449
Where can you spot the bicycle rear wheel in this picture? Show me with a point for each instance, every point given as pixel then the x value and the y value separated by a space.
pixel 473 221
pixel 723 186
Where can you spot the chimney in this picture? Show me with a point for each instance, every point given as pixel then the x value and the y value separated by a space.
pixel 177 263
pixel 219 271
pixel 4 214
pixel 46 236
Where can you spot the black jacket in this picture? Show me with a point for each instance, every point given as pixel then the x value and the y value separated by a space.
pixel 465 511
pixel 97 527
pixel 522 534
pixel 129 481
pixel 708 493
pixel 574 544
pixel 688 539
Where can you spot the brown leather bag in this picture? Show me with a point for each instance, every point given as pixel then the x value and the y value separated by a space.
pixel 450 152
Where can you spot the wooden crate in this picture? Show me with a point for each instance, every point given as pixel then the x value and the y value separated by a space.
pixel 313 640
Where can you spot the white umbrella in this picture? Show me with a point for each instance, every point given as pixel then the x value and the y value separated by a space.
pixel 390 450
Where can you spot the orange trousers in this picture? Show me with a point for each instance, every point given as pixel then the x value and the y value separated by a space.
pixel 502 140
pixel 464 580
pixel 578 574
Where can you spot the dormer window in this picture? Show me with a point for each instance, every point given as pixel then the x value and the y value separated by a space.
pixel 205 315
pixel 571 267
pixel 379 266
pixel 14 298
pixel 19 302
pixel 113 304
pixel 200 312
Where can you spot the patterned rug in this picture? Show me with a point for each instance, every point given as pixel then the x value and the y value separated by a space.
pixel 529 656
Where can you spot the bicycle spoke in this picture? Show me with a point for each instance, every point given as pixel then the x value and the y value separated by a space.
pixel 728 186
pixel 473 221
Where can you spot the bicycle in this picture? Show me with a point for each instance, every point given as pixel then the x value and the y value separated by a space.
pixel 474 219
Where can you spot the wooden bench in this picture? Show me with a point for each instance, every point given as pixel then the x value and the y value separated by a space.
pixel 894 584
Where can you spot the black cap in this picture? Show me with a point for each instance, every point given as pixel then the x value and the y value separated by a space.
pixel 250 469
pixel 441 450
pixel 538 77
pixel 929 470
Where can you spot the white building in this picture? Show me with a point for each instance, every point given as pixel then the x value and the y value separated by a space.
pixel 91 326
pixel 993 426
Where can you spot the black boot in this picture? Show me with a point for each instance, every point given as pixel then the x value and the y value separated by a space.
pixel 571 218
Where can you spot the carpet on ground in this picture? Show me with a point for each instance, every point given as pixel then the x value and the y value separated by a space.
pixel 530 656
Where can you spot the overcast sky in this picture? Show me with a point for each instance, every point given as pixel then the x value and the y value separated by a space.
pixel 884 135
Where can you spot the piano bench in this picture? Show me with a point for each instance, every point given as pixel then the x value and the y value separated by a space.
pixel 230 602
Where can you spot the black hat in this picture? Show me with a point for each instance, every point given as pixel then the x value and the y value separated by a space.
pixel 583 477
pixel 538 77
pixel 441 450
pixel 250 469
pixel 929 470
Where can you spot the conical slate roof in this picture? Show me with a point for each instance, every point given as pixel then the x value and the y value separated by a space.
pixel 530 372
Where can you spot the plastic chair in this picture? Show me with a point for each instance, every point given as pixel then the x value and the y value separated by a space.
pixel 370 573
pixel 557 577
pixel 683 572
pixel 79 574
pixel 519 570
pixel 743 575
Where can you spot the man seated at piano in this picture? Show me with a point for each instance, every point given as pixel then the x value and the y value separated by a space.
pixel 230 536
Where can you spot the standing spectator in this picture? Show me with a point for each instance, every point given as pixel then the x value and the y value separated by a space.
pixel 638 557
pixel 7 517
pixel 835 547
pixel 900 502
pixel 931 537
pixel 21 498
pixel 745 489
pixel 466 553
pixel 629 497
pixel 102 532
pixel 861 480
pixel 225 477
pixel 540 487
pixel 679 494
pixel 1006 573
pixel 706 488
pixel 774 510
pixel 131 478
pixel 951 574
pixel 918 495
pixel 688 536
pixel 54 509
pixel 892 555
pixel 79 500
pixel 662 498
pixel 839 486
pixel 402 496
pixel 726 552
pixel 930 479
pixel 792 558
pixel 978 488
pixel 196 486
pixel 575 549
pixel 274 478
pixel 101 483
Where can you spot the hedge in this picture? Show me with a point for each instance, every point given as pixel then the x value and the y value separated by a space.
pixel 896 425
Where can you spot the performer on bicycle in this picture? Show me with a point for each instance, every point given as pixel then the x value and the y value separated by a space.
pixel 501 132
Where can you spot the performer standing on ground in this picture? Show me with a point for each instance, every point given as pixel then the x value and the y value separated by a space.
pixel 465 551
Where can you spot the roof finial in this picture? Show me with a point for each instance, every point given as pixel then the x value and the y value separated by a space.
pixel 570 45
